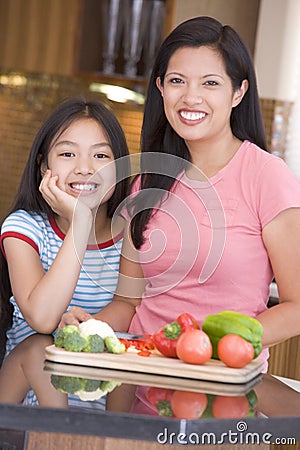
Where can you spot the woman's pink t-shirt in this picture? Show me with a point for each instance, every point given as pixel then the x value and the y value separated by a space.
pixel 203 249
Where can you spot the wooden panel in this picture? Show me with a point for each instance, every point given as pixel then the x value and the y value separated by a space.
pixel 51 441
pixel 285 359
pixel 40 36
pixel 213 370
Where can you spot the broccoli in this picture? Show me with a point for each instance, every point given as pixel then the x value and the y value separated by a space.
pixel 95 344
pixel 91 385
pixel 109 386
pixel 114 345
pixel 59 338
pixel 74 341
pixel 66 384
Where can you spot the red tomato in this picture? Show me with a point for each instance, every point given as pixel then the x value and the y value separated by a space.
pixel 227 407
pixel 235 351
pixel 188 405
pixel 194 347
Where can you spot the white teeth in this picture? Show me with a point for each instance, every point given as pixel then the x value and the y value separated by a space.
pixel 84 187
pixel 192 115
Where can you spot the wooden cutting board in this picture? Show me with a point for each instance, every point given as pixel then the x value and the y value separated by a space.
pixel 213 370
pixel 148 379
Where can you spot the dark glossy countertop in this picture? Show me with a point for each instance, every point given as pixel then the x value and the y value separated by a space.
pixel 274 407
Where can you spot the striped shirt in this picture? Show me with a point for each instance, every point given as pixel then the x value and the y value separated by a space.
pixel 98 276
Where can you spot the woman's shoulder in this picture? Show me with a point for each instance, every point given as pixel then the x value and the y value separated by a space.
pixel 261 162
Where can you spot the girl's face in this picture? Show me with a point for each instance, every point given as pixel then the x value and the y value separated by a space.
pixel 84 162
pixel 198 95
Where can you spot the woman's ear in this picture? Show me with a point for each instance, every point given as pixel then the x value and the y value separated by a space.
pixel 239 93
pixel 159 86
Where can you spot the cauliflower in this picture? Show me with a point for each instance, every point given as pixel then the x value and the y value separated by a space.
pixel 93 326
pixel 90 396
pixel 92 336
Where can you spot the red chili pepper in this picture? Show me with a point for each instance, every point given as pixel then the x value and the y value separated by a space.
pixel 142 344
pixel 187 321
pixel 166 338
pixel 144 353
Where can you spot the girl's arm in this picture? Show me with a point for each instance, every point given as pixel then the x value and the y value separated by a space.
pixel 282 240
pixel 44 297
pixel 131 285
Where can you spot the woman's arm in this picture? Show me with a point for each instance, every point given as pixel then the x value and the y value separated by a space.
pixel 131 285
pixel 44 297
pixel 281 237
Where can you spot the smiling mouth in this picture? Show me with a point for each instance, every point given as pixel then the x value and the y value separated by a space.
pixel 86 187
pixel 192 115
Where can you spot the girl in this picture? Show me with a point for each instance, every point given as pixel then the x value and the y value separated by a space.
pixel 60 246
pixel 223 217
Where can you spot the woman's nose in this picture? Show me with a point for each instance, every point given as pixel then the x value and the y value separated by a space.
pixel 193 95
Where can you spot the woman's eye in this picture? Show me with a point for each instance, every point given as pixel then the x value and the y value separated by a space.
pixel 176 81
pixel 211 83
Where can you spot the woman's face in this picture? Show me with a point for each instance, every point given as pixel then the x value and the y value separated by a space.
pixel 84 162
pixel 198 95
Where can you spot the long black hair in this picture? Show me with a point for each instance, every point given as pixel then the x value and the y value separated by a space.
pixel 157 134
pixel 28 196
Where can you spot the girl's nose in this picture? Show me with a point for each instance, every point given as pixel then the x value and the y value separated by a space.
pixel 84 167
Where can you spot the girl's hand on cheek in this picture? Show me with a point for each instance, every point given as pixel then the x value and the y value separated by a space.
pixel 60 202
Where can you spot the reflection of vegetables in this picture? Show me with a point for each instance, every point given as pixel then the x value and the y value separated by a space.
pixel 160 398
pixel 231 322
pixel 67 384
pixel 220 406
pixel 196 405
pixel 89 337
pixel 188 405
pixel 114 345
pixel 85 388
pixel 166 338
pixel 230 407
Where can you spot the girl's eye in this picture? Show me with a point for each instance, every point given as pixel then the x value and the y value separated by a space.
pixel 67 154
pixel 101 155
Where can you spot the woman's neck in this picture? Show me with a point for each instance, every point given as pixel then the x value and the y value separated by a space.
pixel 210 157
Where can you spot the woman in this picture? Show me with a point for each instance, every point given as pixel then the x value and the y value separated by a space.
pixel 214 217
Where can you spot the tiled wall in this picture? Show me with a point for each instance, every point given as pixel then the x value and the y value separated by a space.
pixel 25 101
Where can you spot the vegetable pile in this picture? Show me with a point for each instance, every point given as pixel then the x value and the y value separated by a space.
pixel 193 405
pixel 232 337
pixel 85 388
pixel 92 336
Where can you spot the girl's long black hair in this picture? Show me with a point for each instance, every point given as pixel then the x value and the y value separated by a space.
pixel 28 196
pixel 157 134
